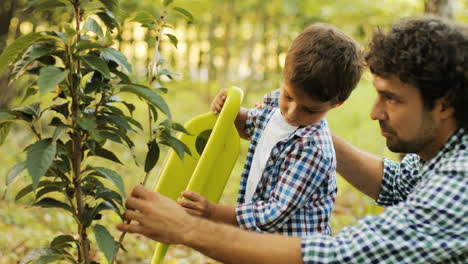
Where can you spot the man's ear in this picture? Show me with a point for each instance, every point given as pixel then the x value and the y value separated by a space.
pixel 444 109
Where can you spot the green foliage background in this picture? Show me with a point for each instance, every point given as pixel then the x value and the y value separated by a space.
pixel 24 227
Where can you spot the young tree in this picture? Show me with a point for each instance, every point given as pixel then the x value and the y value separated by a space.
pixel 76 77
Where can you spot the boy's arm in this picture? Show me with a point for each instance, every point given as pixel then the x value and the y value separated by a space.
pixel 241 118
pixel 196 204
pixel 362 169
pixel 240 122
pixel 305 169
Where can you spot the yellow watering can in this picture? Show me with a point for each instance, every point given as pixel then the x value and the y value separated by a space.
pixel 215 145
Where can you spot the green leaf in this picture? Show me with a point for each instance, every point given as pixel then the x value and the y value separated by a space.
pixel 39 158
pixel 27 112
pixel 152 156
pixel 18 47
pixel 108 195
pixel 86 78
pixel 14 172
pixel 60 241
pixel 185 13
pixel 62 109
pixel 113 177
pixel 49 259
pixel 179 127
pixel 93 26
pixel 52 203
pixel 97 64
pixel 105 241
pixel 40 5
pixel 4 131
pixel 37 253
pixel 29 92
pixel 201 140
pixel 34 52
pixel 108 19
pixel 167 73
pixel 59 132
pixel 88 123
pixel 47 190
pixel 116 56
pixel 86 44
pixel 149 96
pixel 104 153
pixel 49 78
pixel 29 188
pixel 110 4
pixel 144 17
pixel 173 39
pixel 178 146
pixel 111 136
pixel 91 214
pixel 6 116
pixel 167 2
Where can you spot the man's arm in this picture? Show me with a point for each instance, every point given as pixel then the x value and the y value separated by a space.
pixel 362 169
pixel 161 219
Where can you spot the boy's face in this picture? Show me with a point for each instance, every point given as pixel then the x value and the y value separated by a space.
pixel 300 109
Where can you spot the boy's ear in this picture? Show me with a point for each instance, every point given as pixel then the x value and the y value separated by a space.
pixel 338 104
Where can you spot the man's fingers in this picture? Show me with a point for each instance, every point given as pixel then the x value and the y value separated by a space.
pixel 141 192
pixel 133 215
pixel 131 228
pixel 193 212
pixel 137 204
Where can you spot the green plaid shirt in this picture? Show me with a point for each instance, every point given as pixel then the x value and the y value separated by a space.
pixel 426 220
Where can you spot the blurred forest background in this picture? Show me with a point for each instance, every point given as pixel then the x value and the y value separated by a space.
pixel 229 42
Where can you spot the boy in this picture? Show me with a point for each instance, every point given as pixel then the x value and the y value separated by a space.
pixel 288 184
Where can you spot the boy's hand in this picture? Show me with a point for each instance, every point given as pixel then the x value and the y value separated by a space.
pixel 196 204
pixel 218 101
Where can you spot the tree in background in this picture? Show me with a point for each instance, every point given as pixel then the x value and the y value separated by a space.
pixel 442 8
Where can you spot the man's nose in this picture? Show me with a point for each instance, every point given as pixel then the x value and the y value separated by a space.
pixel 378 111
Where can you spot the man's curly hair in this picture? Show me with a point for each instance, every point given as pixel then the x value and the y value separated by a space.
pixel 429 53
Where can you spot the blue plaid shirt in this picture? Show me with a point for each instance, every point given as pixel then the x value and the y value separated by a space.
pixel 297 189
pixel 426 220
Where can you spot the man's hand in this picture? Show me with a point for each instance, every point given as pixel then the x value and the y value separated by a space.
pixel 157 217
pixel 218 102
pixel 196 204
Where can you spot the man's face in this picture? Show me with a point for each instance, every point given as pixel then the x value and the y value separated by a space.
pixel 404 121
pixel 299 109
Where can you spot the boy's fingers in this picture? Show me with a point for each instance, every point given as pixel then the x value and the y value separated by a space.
pixel 188 204
pixel 192 195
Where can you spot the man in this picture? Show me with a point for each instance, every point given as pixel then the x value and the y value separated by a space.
pixel 420 72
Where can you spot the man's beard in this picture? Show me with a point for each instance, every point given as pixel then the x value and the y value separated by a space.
pixel 397 145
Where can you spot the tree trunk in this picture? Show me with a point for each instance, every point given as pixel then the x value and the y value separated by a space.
pixel 442 8
pixel 7 10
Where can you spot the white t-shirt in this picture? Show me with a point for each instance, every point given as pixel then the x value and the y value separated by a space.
pixel 276 130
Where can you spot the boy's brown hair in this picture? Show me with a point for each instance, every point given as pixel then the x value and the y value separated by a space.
pixel 325 63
